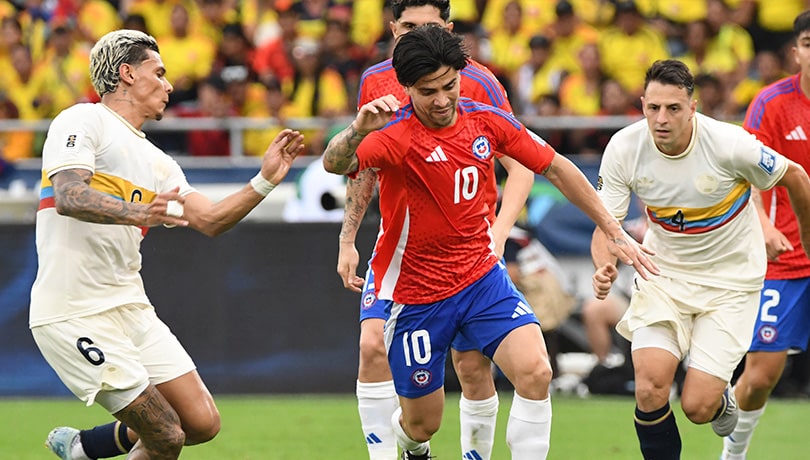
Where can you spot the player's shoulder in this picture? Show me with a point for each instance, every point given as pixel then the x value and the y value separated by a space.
pixel 779 88
pixel 377 70
pixel 78 113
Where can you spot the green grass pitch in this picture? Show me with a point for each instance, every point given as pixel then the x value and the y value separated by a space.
pixel 316 427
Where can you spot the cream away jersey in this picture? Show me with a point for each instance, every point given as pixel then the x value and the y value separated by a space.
pixel 701 224
pixel 85 268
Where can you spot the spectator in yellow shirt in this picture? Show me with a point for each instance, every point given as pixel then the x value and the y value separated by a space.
pixel 727 35
pixel 69 61
pixel 536 78
pixel 769 69
pixel 14 145
pixel 630 47
pixel 509 42
pixel 702 59
pixel 569 34
pixel 191 55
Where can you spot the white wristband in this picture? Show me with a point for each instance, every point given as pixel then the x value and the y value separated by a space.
pixel 261 185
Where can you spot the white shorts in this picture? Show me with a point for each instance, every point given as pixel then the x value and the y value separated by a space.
pixel 111 357
pixel 713 326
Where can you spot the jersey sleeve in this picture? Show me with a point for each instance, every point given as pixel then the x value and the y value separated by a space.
pixel 757 163
pixel 376 151
pixel 521 144
pixel 175 177
pixel 71 143
pixel 612 184
pixel 757 121
pixel 481 85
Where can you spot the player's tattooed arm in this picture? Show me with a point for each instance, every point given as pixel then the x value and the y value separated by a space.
pixel 358 196
pixel 340 155
pixel 74 197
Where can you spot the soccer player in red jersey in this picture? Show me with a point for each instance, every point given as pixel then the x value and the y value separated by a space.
pixel 376 397
pixel 436 258
pixel 779 117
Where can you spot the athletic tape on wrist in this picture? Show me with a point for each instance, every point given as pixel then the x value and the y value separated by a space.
pixel 261 185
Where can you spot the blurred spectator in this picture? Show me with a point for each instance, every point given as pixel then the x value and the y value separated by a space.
pixel 384 41
pixel 628 47
pixel 312 17
pixel 213 102
pixel 234 50
pixel 69 60
pixel 536 15
pixel 509 41
pixel 569 34
pixel 30 88
pixel 260 20
pixel 339 52
pixel 95 18
pixel 369 22
pixel 14 145
pixel 135 22
pixel 701 59
pixel 155 13
pixel 191 55
pixel 479 49
pixel 681 11
pixel 615 101
pixel 273 59
pixel 726 35
pixel 214 16
pixel 768 69
pixel 769 22
pixel 710 93
pixel 276 107
pixel 581 91
pixel 536 77
pixel 34 18
pixel 10 37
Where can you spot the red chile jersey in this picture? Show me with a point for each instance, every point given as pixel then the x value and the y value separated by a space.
pixel 780 117
pixel 477 83
pixel 439 241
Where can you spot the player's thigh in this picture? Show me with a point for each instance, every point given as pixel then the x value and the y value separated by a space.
pixel 523 358
pixel 722 334
pixel 417 340
pixel 783 321
pixel 95 358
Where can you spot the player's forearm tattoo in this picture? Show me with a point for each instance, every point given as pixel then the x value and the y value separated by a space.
pixel 358 196
pixel 76 199
pixel 155 421
pixel 340 153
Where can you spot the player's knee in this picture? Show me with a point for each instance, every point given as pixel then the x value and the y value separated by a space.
pixel 203 430
pixel 372 349
pixel 422 429
pixel 699 410
pixel 651 394
pixel 760 381
pixel 533 383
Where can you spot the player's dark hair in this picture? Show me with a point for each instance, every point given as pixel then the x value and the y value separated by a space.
pixel 425 50
pixel 801 24
pixel 398 6
pixel 671 72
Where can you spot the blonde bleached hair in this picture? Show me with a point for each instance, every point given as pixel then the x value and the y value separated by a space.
pixel 113 49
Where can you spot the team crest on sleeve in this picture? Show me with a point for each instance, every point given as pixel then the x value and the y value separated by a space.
pixel 481 147
pixel 599 183
pixel 767 159
pixel 72 141
pixel 767 334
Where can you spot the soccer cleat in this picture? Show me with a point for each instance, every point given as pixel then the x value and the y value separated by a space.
pixel 724 424
pixel 61 441
pixel 410 456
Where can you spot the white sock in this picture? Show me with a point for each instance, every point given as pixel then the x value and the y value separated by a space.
pixel 376 402
pixel 736 444
pixel 478 427
pixel 405 441
pixel 528 432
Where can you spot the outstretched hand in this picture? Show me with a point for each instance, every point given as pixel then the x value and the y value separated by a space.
pixel 280 154
pixel 628 251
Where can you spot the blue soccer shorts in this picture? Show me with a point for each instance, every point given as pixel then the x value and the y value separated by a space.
pixel 783 322
pixel 418 337
pixel 370 306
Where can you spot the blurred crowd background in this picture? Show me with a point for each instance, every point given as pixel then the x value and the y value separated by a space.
pixel 284 59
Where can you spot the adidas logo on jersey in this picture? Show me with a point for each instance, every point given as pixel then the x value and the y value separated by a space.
pixel 436 155
pixel 796 135
pixel 520 310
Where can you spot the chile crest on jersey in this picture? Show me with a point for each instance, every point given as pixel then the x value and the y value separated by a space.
pixel 481 147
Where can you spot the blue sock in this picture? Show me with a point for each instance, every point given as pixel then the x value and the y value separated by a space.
pixel 105 441
pixel 658 434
